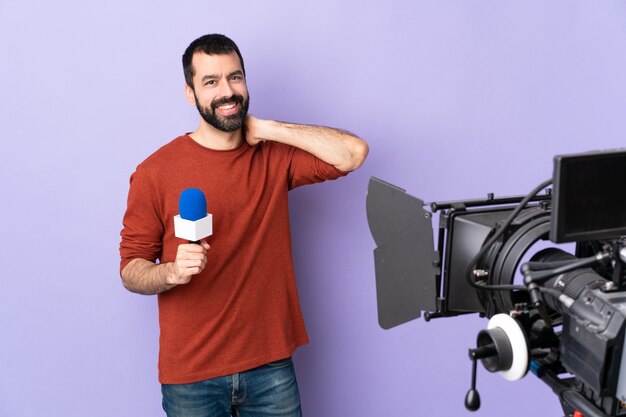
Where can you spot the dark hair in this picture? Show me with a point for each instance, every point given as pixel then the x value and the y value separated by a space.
pixel 213 44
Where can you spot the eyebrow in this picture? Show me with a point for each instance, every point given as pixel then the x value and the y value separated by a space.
pixel 215 76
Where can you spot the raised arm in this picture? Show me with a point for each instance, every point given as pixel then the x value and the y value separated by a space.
pixel 334 146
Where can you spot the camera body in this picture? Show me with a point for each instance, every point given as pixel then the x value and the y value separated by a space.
pixel 566 322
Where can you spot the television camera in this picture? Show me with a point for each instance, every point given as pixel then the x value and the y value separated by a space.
pixel 565 321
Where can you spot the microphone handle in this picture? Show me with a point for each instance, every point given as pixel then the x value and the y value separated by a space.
pixel 197 242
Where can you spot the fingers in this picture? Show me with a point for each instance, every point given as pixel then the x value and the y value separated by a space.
pixel 194 247
pixel 190 260
pixel 188 268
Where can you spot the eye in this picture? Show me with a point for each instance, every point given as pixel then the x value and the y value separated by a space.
pixel 236 77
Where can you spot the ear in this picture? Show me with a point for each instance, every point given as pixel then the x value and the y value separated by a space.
pixel 190 96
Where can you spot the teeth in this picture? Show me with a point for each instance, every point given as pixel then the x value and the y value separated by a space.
pixel 227 107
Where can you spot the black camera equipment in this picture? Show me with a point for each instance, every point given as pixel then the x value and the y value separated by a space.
pixel 566 322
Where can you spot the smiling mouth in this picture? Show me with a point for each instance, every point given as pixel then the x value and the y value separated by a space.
pixel 227 109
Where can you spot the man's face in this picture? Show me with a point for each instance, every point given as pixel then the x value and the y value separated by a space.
pixel 220 91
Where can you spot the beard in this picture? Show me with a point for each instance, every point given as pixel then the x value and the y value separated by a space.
pixel 228 123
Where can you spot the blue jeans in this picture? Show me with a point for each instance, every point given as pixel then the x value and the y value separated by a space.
pixel 267 391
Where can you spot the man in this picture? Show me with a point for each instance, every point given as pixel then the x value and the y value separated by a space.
pixel 228 307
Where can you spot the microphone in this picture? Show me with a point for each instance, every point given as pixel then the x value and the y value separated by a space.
pixel 193 223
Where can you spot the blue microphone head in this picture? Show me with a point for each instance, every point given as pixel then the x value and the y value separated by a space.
pixel 192 204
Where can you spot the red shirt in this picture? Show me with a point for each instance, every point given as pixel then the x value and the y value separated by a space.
pixel 242 310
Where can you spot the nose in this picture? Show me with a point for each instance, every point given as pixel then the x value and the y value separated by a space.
pixel 225 89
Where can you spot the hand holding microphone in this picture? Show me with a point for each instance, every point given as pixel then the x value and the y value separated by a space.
pixel 190 260
pixel 193 224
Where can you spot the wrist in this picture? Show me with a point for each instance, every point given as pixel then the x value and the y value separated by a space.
pixel 285 133
pixel 169 274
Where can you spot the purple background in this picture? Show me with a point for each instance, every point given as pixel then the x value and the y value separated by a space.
pixel 456 98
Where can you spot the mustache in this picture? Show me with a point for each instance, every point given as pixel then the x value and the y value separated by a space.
pixel 234 99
